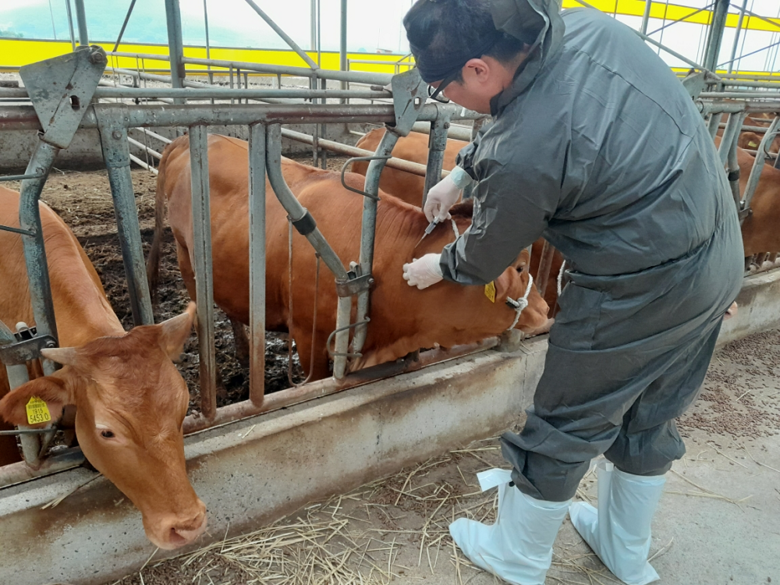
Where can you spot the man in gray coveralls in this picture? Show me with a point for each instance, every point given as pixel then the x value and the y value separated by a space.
pixel 596 146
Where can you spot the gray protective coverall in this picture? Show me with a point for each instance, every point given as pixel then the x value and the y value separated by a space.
pixel 597 147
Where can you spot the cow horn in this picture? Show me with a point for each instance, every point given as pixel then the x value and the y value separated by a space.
pixel 67 356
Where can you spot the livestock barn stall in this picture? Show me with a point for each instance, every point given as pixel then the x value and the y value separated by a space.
pixel 352 478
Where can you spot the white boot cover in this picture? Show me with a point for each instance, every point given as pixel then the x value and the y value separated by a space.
pixel 518 547
pixel 619 531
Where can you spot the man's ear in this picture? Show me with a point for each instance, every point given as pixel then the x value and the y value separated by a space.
pixel 175 331
pixel 53 390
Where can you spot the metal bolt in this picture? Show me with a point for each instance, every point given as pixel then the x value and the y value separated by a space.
pixel 50 345
pixel 97 58
pixel 116 134
pixel 371 282
pixel 446 125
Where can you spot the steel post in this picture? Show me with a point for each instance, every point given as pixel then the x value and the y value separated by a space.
pixel 646 17
pixel 715 36
pixel 116 154
pixel 208 43
pixel 124 25
pixel 730 134
pixel 204 274
pixel 34 251
pixel 437 144
pixel 737 34
pixel 81 18
pixel 343 41
pixel 175 44
pixel 70 25
pixel 257 140
pixel 368 230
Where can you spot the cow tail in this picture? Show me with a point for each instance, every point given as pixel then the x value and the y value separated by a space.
pixel 153 261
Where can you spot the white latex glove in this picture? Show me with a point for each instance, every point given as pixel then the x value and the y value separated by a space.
pixel 441 197
pixel 424 272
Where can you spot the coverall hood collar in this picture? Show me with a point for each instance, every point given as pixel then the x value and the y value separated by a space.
pixel 537 22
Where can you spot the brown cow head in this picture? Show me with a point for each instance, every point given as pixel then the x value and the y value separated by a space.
pixel 130 405
pixel 513 283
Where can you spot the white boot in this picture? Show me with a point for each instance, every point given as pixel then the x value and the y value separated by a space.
pixel 518 547
pixel 619 531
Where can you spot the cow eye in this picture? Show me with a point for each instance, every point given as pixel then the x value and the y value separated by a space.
pixel 107 434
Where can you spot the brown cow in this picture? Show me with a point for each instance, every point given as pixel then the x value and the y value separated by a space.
pixel 403 319
pixel 409 187
pixel 761 229
pixel 414 147
pixel 130 399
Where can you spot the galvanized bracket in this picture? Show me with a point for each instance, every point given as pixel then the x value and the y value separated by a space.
pixel 409 96
pixel 26 347
pixel 61 89
pixel 356 159
pixel 695 83
pixel 354 284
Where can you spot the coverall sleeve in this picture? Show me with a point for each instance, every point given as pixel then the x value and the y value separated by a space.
pixel 514 201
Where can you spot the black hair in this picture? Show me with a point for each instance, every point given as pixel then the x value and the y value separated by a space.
pixel 447 30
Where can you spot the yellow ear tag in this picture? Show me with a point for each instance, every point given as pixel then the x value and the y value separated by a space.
pixel 490 291
pixel 37 411
pixel 752 144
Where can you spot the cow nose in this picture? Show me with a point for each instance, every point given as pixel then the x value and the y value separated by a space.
pixel 183 532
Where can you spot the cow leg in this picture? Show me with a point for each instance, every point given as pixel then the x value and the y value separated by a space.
pixel 187 273
pixel 242 342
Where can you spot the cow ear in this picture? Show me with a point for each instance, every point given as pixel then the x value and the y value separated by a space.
pixel 67 356
pixel 175 331
pixel 53 390
pixel 511 284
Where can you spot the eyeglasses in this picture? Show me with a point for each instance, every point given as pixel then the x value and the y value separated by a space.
pixel 435 93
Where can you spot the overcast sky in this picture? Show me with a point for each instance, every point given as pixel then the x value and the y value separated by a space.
pixel 373 25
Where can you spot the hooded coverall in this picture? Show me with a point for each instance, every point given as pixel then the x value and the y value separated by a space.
pixel 597 147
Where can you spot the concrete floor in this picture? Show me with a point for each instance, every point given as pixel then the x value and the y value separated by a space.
pixel 718 521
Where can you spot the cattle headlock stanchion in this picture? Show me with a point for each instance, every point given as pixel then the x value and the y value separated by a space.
pixel 60 90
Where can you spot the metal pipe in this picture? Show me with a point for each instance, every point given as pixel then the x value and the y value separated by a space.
pixel 81 18
pixel 34 251
pixel 313 25
pixel 116 154
pixel 356 76
pixel 216 93
pixel 208 44
pixel 132 116
pixel 151 151
pixel 287 39
pixel 204 274
pixel 740 95
pixel 716 34
pixel 290 203
pixel 343 41
pixel 320 388
pixel 368 232
pixel 175 43
pixel 70 25
pixel 646 17
pixel 437 144
pixel 16 473
pixel 456 131
pixel 257 142
pixel 736 35
pixel 730 134
pixel 396 163
pixel 142 164
pixel 124 25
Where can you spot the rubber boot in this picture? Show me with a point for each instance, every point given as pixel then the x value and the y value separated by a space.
pixel 518 547
pixel 619 531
